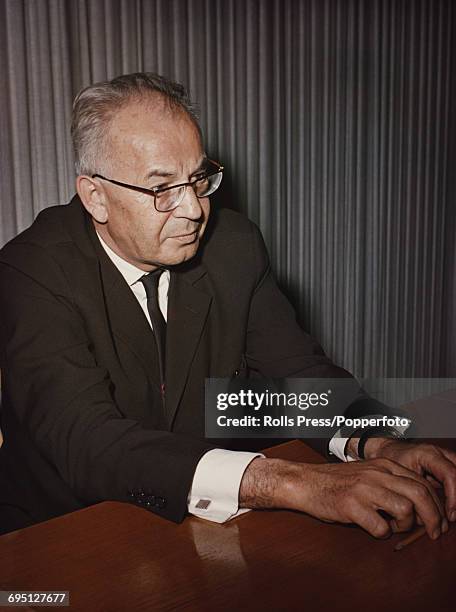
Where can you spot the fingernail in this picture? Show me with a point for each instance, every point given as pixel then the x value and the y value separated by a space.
pixel 436 534
pixel 453 516
pixel 444 525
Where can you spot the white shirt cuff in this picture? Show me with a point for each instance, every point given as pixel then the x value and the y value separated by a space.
pixel 337 446
pixel 215 489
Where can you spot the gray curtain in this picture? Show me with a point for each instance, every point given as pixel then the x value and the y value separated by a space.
pixel 334 120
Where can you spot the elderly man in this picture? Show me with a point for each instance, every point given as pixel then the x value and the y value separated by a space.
pixel 116 307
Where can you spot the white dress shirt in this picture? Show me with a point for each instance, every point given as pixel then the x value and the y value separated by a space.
pixel 215 489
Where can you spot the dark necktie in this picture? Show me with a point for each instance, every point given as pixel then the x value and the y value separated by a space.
pixel 150 282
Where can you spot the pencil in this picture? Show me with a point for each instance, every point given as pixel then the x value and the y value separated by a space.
pixel 413 537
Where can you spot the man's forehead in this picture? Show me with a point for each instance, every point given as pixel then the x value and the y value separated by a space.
pixel 155 137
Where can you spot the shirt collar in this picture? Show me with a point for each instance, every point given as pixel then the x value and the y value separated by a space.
pixel 131 273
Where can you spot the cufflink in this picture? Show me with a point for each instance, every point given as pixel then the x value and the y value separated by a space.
pixel 203 504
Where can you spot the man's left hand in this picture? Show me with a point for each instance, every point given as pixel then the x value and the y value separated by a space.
pixel 429 460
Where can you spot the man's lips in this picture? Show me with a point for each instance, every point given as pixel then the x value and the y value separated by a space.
pixel 187 237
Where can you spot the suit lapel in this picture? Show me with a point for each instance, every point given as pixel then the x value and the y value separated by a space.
pixel 188 307
pixel 125 316
pixel 127 320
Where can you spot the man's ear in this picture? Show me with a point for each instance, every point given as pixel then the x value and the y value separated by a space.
pixel 93 197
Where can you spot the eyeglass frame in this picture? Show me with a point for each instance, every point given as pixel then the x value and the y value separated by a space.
pixel 157 190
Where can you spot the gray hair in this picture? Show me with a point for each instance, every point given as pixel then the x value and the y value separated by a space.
pixel 95 106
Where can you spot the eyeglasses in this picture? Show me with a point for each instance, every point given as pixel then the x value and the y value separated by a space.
pixel 169 198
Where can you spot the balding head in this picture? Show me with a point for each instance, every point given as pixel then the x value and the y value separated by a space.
pixel 96 106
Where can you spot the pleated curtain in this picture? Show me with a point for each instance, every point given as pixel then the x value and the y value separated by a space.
pixel 334 120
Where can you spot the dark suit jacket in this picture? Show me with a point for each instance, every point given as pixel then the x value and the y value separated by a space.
pixel 82 416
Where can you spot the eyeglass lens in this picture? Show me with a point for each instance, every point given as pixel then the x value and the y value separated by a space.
pixel 171 198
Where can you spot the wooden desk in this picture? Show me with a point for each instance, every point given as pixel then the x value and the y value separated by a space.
pixel 117 557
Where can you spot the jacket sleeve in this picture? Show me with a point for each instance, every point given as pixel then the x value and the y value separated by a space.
pixel 61 397
pixel 277 347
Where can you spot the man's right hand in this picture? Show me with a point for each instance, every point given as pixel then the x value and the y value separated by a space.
pixel 346 493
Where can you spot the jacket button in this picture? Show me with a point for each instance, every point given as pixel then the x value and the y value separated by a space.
pixel 161 502
pixel 236 373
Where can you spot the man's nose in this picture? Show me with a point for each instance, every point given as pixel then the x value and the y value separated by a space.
pixel 190 207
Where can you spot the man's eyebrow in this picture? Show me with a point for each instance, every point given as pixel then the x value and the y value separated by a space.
pixel 159 172
pixel 201 166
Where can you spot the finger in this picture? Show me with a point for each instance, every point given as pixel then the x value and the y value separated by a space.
pixel 440 467
pixel 433 482
pixel 370 520
pixel 400 470
pixel 445 526
pixel 449 454
pixel 423 502
pixel 432 491
pixel 400 509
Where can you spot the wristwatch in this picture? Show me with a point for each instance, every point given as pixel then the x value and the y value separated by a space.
pixel 377 432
